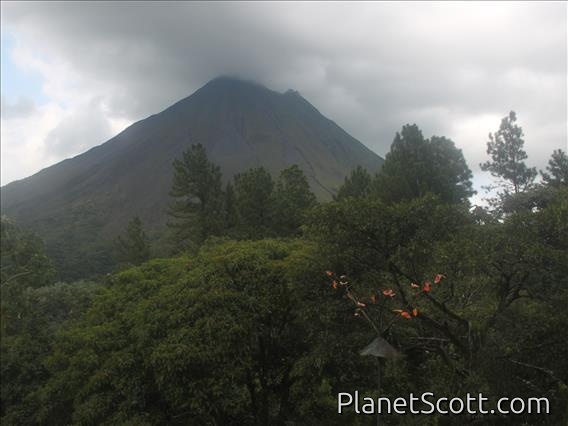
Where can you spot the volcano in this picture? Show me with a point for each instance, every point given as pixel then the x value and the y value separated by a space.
pixel 79 205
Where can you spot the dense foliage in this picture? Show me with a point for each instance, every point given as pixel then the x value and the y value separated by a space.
pixel 557 169
pixel 416 166
pixel 246 327
pixel 253 206
pixel 197 208
pixel 505 147
pixel 34 309
pixel 133 247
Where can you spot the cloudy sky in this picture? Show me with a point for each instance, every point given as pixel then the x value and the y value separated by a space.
pixel 75 74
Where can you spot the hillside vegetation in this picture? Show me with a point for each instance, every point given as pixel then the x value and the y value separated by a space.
pixel 80 205
pixel 259 313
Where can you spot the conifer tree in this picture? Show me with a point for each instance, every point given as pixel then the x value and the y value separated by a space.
pixel 293 198
pixel 254 203
pixel 197 209
pixel 416 166
pixel 133 247
pixel 230 208
pixel 557 168
pixel 507 158
pixel 356 185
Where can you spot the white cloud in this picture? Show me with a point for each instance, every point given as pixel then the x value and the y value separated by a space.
pixel 468 131
pixel 74 119
pixel 26 136
pixel 452 68
pixel 22 107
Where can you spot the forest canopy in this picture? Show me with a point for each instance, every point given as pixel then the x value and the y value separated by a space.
pixel 259 314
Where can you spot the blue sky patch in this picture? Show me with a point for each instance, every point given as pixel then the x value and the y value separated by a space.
pixel 15 81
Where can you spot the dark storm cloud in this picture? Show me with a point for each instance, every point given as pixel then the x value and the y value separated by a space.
pixel 371 67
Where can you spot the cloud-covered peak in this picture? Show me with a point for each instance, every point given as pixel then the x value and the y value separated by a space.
pixel 453 68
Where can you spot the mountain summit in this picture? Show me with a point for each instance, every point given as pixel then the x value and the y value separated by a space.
pixel 241 124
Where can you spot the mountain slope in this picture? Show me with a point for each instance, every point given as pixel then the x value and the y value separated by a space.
pixel 79 204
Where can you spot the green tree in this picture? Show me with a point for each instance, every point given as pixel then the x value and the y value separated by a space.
pixel 505 147
pixel 235 338
pixel 293 198
pixel 499 312
pixel 23 257
pixel 356 185
pixel 133 247
pixel 32 309
pixel 416 166
pixel 557 168
pixel 197 209
pixel 24 265
pixel 538 197
pixel 230 208
pixel 255 203
pixel 28 339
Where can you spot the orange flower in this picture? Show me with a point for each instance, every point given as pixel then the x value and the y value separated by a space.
pixel 334 284
pixel 415 312
pixel 329 273
pixel 427 287
pixel 438 278
pixel 402 313
pixel 388 292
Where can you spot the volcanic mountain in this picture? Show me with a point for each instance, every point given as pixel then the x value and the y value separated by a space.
pixel 79 205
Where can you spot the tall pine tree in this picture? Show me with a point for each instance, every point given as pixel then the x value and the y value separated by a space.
pixel 292 199
pixel 416 166
pixel 230 208
pixel 254 202
pixel 197 210
pixel 133 247
pixel 356 185
pixel 507 164
pixel 557 169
